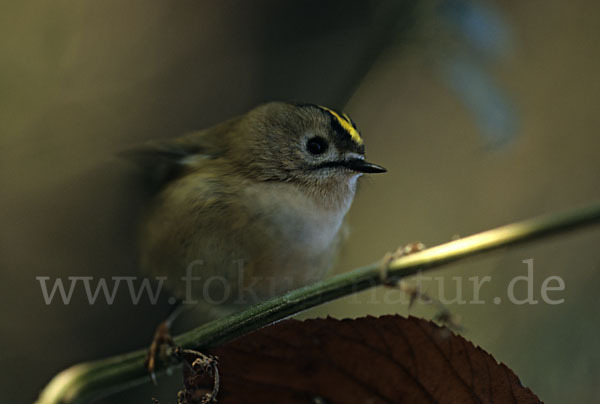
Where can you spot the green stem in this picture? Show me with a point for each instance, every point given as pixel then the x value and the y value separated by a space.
pixel 88 381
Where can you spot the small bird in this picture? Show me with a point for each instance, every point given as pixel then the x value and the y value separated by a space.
pixel 251 207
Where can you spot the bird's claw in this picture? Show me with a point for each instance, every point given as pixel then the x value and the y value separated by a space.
pixel 389 257
pixel 162 339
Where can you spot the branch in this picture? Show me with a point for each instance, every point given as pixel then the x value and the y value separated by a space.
pixel 88 381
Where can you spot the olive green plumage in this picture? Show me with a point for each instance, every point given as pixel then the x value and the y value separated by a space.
pixel 253 206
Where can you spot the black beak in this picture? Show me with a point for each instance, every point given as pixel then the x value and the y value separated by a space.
pixel 363 166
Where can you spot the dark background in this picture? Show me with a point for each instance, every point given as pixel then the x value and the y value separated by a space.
pixel 484 113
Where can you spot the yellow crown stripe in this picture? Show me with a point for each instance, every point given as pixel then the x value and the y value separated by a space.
pixel 346 124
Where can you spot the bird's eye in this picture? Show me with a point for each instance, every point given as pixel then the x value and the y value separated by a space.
pixel 316 145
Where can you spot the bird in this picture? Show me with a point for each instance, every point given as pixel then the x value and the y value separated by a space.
pixel 252 207
pixel 258 200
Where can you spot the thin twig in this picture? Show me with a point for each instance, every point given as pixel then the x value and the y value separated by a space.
pixel 87 381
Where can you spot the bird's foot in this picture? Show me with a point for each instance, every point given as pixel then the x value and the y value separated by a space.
pixel 158 349
pixel 414 292
pixel 389 257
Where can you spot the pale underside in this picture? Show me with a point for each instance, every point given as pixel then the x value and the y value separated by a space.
pixel 246 241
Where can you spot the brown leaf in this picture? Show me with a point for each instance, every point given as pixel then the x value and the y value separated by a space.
pixel 390 359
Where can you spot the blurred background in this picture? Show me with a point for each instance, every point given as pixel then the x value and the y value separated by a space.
pixel 483 112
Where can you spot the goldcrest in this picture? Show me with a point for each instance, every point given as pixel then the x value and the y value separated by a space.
pixel 251 207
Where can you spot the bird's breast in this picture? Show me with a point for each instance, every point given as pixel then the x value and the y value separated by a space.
pixel 287 214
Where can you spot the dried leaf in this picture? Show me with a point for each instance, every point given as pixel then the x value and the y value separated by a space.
pixel 390 359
